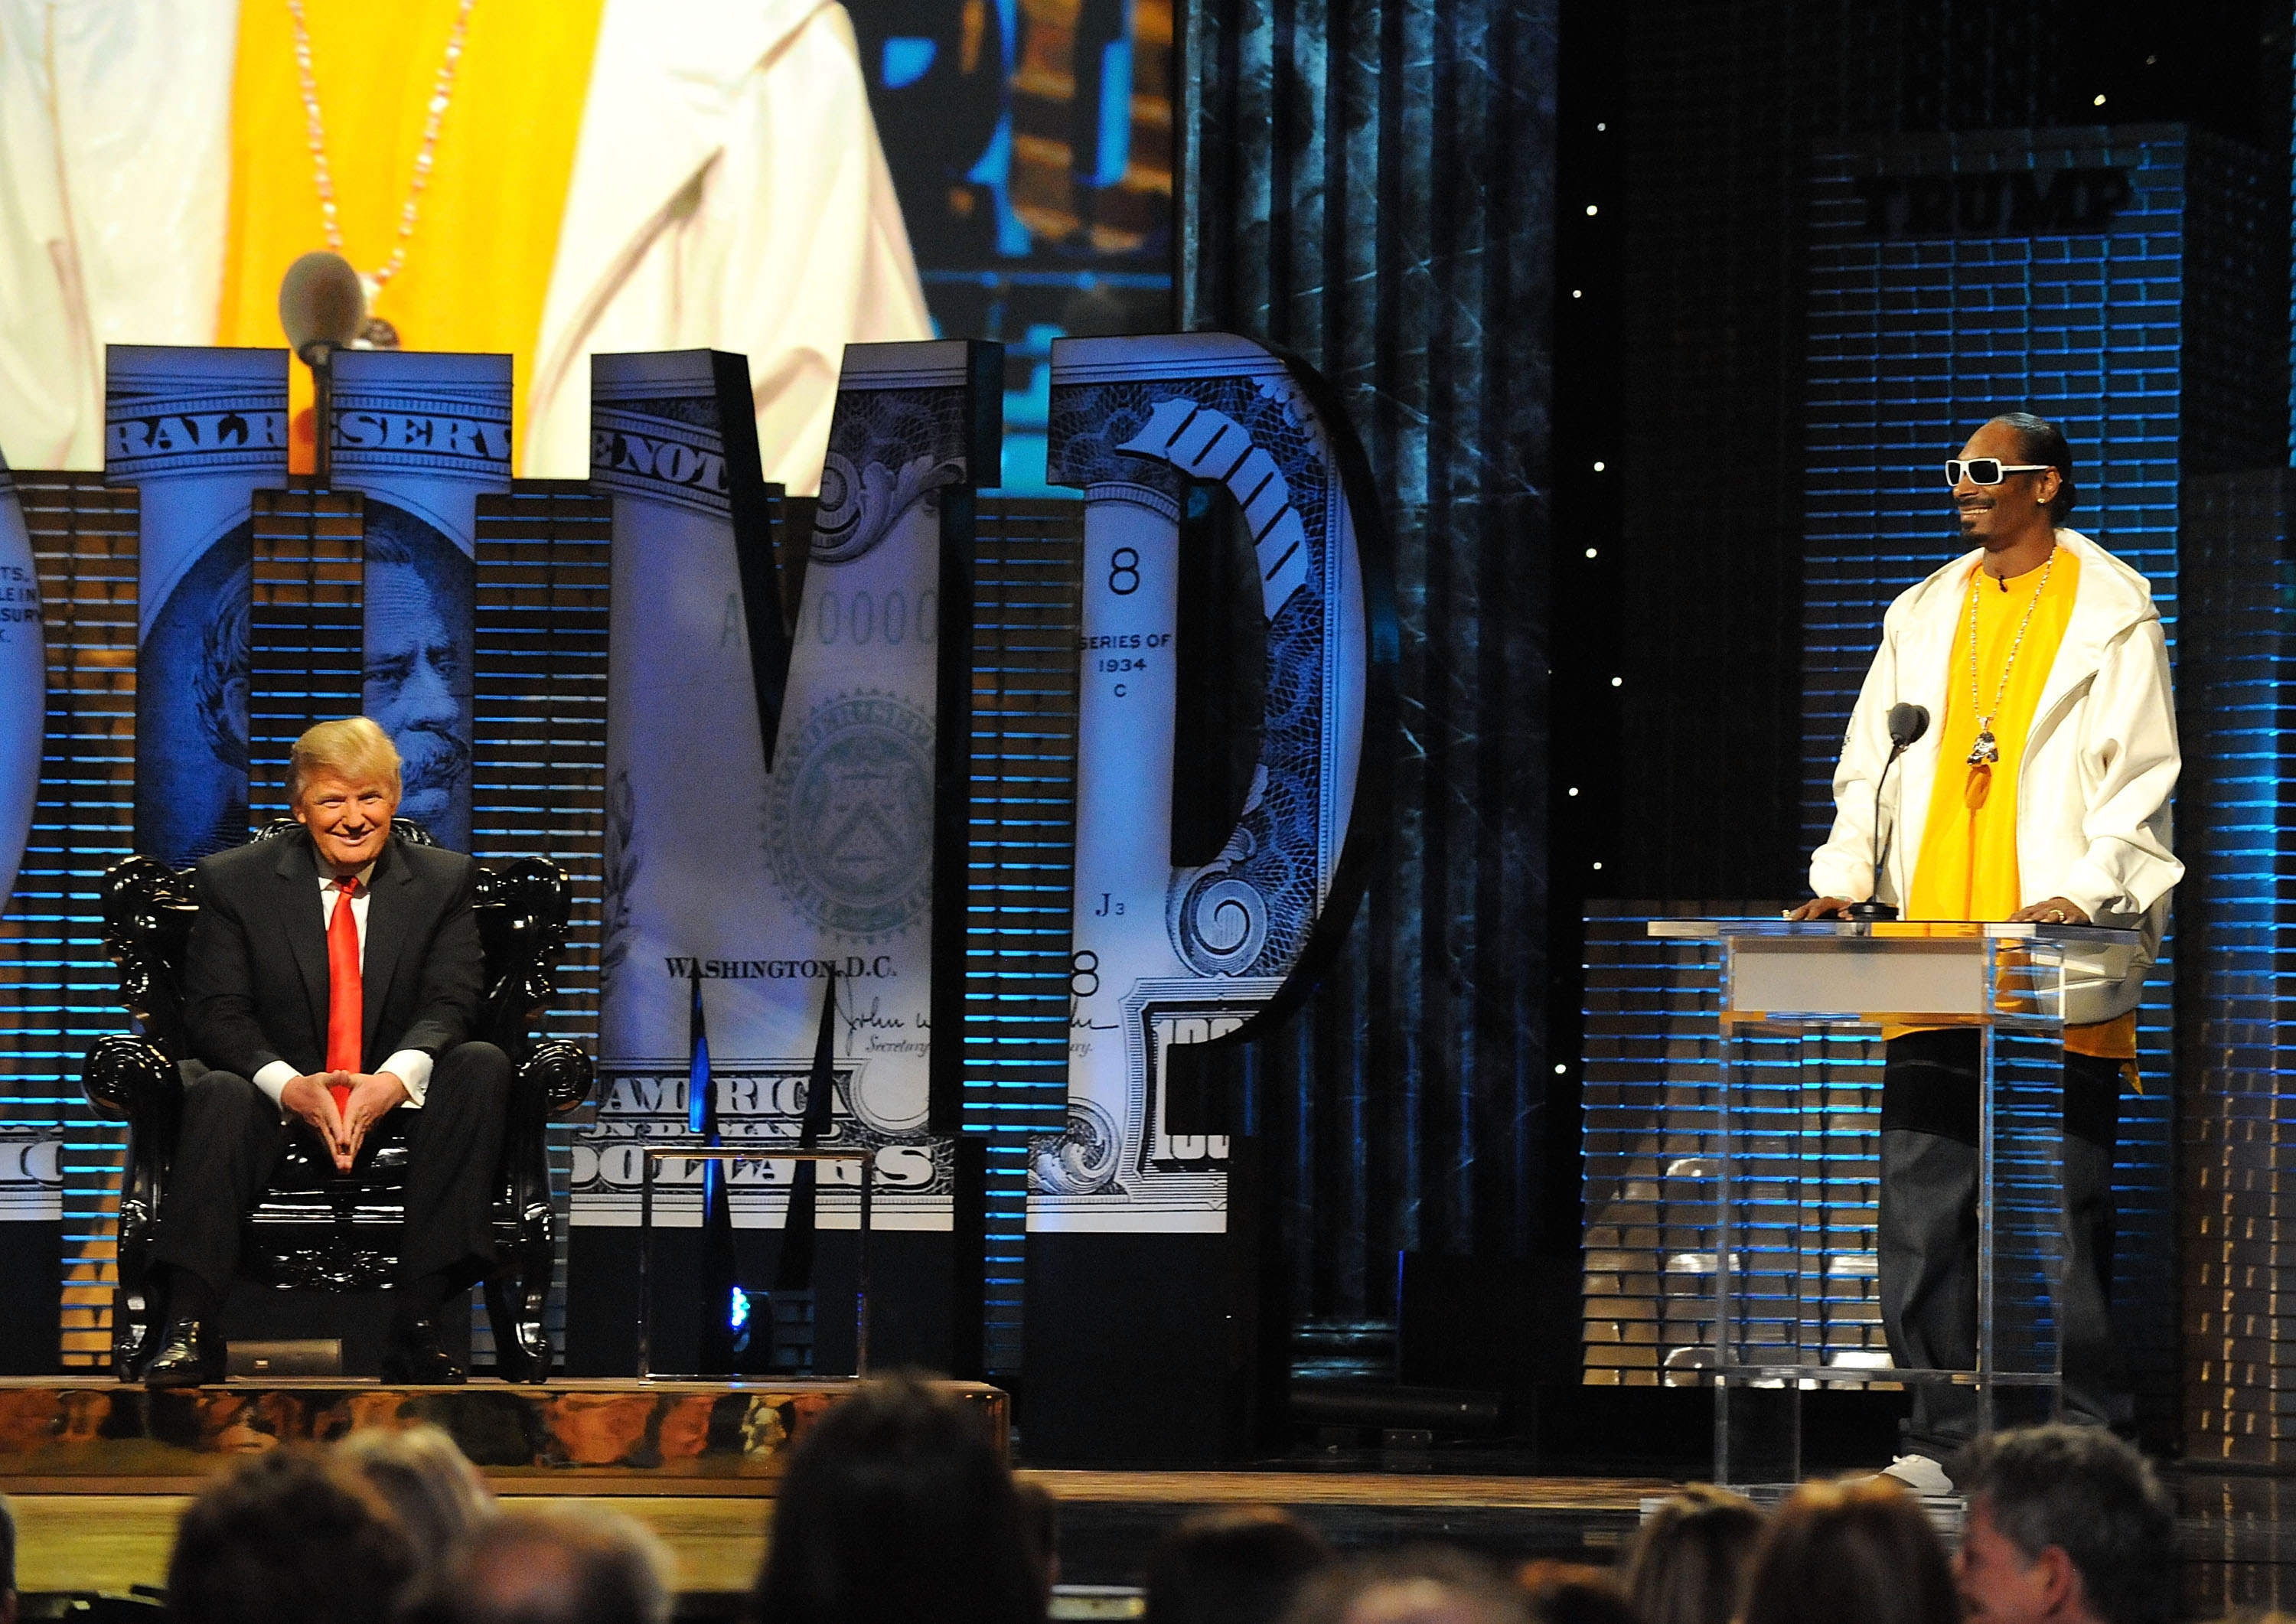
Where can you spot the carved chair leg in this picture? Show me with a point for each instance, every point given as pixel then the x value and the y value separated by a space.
pixel 138 1314
pixel 132 1079
pixel 518 1291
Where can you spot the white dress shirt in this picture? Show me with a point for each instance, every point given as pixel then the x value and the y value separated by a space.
pixel 411 1067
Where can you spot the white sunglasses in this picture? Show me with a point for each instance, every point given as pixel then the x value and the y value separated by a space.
pixel 1988 470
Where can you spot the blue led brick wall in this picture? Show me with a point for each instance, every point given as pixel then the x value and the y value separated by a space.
pixel 538 753
pixel 57 991
pixel 2104 278
pixel 2236 996
pixel 1028 613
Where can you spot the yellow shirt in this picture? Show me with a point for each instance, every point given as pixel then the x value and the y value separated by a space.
pixel 486 229
pixel 1967 866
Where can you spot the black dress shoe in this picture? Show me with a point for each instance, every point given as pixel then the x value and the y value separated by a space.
pixel 187 1357
pixel 415 1359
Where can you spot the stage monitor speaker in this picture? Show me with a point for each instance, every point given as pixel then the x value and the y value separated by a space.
pixel 318 1356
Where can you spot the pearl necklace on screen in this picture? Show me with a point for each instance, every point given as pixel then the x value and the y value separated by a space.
pixel 377 331
pixel 1987 749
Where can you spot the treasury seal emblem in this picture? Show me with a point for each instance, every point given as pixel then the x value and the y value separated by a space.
pixel 849 819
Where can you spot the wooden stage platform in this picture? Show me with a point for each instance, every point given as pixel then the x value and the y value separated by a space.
pixel 1108 1521
pixel 60 1436
pixel 97 1474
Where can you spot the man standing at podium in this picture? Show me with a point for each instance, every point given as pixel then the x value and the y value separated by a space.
pixel 2041 794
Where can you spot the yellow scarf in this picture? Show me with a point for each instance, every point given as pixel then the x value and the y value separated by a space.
pixel 1967 867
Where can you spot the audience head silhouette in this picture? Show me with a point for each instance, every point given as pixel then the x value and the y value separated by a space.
pixel 2068 1525
pixel 1573 1593
pixel 1689 1559
pixel 1430 1586
pixel 1040 1524
pixel 285 1538
pixel 896 1506
pixel 571 1565
pixel 1232 1567
pixel 435 1492
pixel 7 1564
pixel 1861 1549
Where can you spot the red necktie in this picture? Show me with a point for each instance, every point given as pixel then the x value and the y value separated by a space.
pixel 345 1011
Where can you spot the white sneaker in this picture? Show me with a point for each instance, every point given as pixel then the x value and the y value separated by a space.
pixel 1921 1474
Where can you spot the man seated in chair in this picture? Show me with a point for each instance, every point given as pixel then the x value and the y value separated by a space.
pixel 333 976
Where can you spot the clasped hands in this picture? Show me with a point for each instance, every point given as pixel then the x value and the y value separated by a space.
pixel 375 1094
pixel 2048 911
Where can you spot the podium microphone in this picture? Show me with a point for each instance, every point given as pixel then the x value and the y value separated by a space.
pixel 321 307
pixel 1907 724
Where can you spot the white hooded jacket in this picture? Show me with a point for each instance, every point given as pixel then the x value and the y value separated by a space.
pixel 728 192
pixel 2093 782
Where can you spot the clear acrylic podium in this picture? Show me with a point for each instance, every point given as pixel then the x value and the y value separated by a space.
pixel 1788 985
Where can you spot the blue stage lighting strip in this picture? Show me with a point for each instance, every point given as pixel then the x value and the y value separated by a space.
pixel 1649 1060
pixel 539 752
pixel 57 991
pixel 308 627
pixel 1028 606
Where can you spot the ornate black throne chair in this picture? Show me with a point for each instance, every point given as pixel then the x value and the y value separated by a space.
pixel 315 1229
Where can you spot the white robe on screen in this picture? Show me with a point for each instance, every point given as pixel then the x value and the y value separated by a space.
pixel 728 192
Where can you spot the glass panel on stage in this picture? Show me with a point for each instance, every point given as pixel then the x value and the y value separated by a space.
pixel 1790 1309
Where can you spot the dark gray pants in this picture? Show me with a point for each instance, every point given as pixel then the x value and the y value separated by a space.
pixel 1927 1236
pixel 233 1139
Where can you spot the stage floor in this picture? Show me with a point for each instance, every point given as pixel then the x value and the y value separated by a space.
pixel 2238 1534
pixel 1108 1521
pixel 97 1474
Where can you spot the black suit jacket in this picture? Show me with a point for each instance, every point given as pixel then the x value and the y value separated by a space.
pixel 254 975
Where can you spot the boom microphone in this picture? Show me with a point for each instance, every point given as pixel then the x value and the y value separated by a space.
pixel 1907 724
pixel 321 304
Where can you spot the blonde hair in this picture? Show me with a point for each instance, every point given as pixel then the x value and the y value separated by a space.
pixel 354 749
pixel 423 1475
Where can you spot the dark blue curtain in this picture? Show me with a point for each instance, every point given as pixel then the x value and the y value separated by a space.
pixel 1370 186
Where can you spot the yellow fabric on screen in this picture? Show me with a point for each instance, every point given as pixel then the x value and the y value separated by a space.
pixel 477 267
pixel 1967 866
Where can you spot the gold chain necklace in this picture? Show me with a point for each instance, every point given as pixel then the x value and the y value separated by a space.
pixel 377 331
pixel 1987 750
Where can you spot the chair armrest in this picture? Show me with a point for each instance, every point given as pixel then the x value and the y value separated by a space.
pixel 131 1079
pixel 147 921
pixel 522 906
pixel 562 1073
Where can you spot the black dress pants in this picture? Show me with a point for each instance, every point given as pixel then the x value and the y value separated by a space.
pixel 233 1139
pixel 1927 1236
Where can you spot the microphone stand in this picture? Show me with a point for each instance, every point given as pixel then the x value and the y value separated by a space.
pixel 319 355
pixel 1873 907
